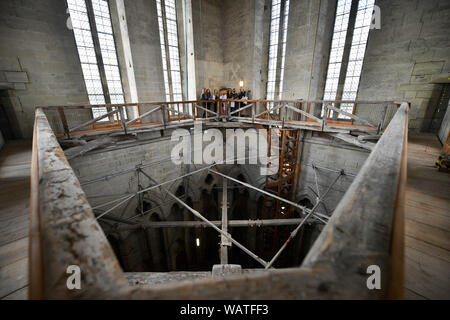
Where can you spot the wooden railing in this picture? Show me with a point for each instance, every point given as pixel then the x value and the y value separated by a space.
pixel 322 115
pixel 366 229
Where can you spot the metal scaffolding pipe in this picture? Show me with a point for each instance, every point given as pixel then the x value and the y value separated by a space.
pixel 223 242
pixel 152 187
pixel 320 215
pixel 199 215
pixel 294 233
pixel 201 224
pixel 330 169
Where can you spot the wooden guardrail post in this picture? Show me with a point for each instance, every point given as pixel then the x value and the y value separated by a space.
pixel 62 115
pixel 122 119
pixel 383 116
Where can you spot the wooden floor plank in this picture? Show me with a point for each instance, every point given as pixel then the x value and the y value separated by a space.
pixel 21 294
pixel 431 275
pixel 13 277
pixel 427 222
pixel 427 248
pixel 411 295
pixel 433 217
pixel 13 251
pixel 15 159
pixel 432 235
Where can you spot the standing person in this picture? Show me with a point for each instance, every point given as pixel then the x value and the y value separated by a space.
pixel 204 97
pixel 215 97
pixel 230 96
pixel 234 95
pixel 203 93
pixel 209 97
pixel 223 96
pixel 240 96
pixel 245 98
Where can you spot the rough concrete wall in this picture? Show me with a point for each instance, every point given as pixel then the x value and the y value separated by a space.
pixel 35 39
pixel 242 44
pixel 209 32
pixel 323 151
pixel 2 141
pixel 411 48
pixel 306 56
pixel 109 162
pixel 229 44
pixel 145 48
pixel 445 126
pixel 156 153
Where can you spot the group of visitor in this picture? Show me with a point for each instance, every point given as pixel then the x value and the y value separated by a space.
pixel 224 94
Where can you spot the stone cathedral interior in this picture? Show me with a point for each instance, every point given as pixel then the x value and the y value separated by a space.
pixel 206 149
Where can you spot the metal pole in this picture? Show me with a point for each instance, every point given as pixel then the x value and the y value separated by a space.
pixel 156 186
pixel 294 233
pixel 316 180
pixel 196 224
pixel 113 207
pixel 199 215
pixel 141 196
pixel 320 215
pixel 223 242
pixel 153 187
pixel 331 170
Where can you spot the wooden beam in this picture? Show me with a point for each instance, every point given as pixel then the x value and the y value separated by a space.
pixel 350 115
pixel 241 109
pixel 62 115
pixel 353 140
pixel 180 113
pixel 94 120
pixel 122 119
pixel 91 145
pixel 306 114
pixel 365 218
pixel 143 115
pixel 207 110
pixel 275 108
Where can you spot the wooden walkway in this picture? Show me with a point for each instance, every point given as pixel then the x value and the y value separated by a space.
pixel 15 160
pixel 427 234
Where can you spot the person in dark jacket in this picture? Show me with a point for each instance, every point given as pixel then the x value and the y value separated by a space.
pixel 205 96
pixel 233 104
pixel 215 96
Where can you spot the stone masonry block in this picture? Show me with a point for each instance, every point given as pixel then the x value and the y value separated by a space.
pixel 223 270
pixel 13 76
pixel 428 67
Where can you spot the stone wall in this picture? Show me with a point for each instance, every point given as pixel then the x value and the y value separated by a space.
pixel 445 126
pixel 243 44
pixel 307 50
pixel 109 173
pixel 410 50
pixel 145 48
pixel 320 150
pixel 2 140
pixel 101 177
pixel 36 41
pixel 209 32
